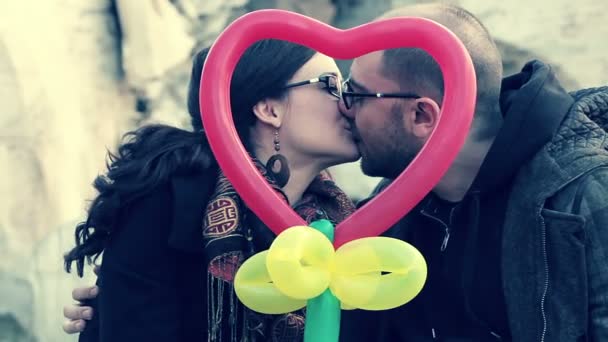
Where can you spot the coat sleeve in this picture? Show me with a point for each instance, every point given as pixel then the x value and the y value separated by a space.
pixel 588 199
pixel 139 297
pixel 592 204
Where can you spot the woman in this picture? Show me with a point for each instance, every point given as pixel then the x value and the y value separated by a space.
pixel 172 229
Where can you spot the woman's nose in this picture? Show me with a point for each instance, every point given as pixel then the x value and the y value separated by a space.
pixel 349 113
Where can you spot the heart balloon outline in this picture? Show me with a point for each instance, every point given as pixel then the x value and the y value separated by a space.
pixel 414 183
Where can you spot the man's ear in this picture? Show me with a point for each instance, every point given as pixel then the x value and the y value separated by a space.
pixel 270 112
pixel 425 117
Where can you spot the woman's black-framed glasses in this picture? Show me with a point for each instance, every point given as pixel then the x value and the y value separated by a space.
pixel 349 97
pixel 331 83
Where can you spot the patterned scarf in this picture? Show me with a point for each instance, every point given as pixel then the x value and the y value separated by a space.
pixel 232 233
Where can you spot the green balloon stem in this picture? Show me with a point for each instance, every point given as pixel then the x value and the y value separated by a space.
pixel 325 227
pixel 323 312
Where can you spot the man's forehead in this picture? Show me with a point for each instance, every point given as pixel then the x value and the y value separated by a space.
pixel 369 63
pixel 366 70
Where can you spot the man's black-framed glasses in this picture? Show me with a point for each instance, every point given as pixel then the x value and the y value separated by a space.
pixel 349 97
pixel 331 83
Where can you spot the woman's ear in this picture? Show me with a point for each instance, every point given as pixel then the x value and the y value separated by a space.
pixel 270 112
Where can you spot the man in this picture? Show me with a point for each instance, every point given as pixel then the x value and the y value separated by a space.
pixel 516 233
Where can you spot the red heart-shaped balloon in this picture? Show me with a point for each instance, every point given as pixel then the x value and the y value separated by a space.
pixel 413 184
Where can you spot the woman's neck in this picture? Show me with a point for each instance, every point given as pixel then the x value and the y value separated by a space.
pixel 302 173
pixel 299 180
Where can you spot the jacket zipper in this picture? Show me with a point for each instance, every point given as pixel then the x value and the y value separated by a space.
pixel 444 243
pixel 543 238
pixel 446 236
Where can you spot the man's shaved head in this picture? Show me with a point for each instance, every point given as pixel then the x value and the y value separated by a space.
pixel 416 71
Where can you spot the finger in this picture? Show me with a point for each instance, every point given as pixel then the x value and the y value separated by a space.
pixel 84 293
pixel 74 312
pixel 73 327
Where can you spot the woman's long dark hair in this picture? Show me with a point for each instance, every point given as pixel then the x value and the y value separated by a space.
pixel 153 154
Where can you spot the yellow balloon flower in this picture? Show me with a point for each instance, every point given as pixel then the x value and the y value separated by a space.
pixel 376 273
pixel 256 291
pixel 300 262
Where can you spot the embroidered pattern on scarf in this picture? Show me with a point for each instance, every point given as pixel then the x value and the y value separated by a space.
pixel 232 233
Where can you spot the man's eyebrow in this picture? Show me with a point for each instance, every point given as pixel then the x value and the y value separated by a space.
pixel 357 85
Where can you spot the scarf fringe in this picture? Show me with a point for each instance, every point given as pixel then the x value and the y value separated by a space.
pixel 220 293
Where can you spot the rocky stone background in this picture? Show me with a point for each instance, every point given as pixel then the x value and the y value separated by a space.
pixel 75 75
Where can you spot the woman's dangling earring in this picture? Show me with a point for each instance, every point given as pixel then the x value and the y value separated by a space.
pixel 280 173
